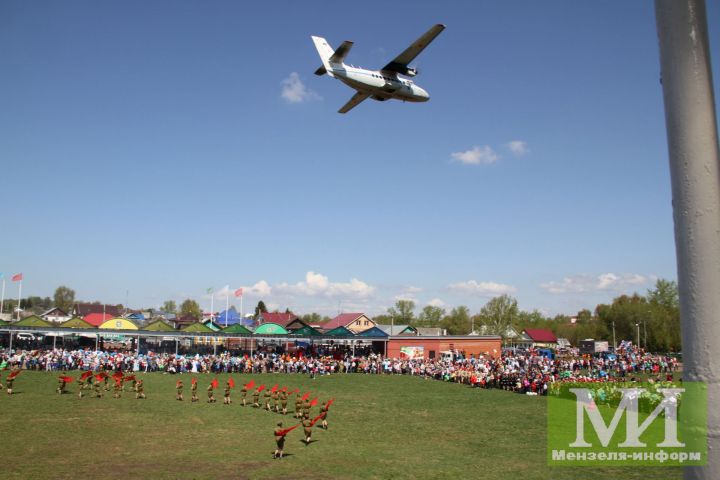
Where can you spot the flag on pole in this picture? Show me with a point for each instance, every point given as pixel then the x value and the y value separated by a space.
pixel 66 379
pixel 231 382
pixel 314 402
pixel 209 290
pixel 305 397
pixel 261 388
pixel 214 383
pixel 250 385
pixel 238 292
pixel 17 277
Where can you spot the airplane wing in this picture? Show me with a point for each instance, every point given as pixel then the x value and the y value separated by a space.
pixel 400 63
pixel 354 101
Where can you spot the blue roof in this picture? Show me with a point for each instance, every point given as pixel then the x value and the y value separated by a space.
pixel 232 318
pixel 373 332
pixel 136 316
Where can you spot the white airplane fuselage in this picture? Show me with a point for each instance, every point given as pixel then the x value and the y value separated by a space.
pixel 380 85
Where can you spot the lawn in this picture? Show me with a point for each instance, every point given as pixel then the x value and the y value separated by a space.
pixel 380 427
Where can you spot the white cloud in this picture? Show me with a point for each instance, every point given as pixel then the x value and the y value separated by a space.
pixel 316 284
pixel 436 302
pixel 410 290
pixel 406 296
pixel 518 147
pixel 477 156
pixel 295 91
pixel 483 289
pixel 260 289
pixel 601 283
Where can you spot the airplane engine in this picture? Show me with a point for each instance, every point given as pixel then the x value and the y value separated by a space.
pixel 411 72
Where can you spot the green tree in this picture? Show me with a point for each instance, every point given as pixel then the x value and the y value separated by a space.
pixel 260 308
pixel 403 312
pixel 64 298
pixel 169 306
pixel 191 308
pixel 457 322
pixel 498 314
pixel 430 317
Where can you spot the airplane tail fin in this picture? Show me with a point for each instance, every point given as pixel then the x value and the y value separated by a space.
pixel 325 51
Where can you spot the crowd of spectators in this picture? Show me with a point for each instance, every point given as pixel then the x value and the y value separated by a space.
pixel 529 372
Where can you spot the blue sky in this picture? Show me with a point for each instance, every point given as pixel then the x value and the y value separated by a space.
pixel 155 149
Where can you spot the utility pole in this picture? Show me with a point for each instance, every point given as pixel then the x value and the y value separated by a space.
pixel 691 125
pixel 614 342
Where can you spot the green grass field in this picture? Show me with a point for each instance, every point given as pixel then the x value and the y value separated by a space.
pixel 380 427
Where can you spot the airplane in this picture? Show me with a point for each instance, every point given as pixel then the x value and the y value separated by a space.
pixel 382 84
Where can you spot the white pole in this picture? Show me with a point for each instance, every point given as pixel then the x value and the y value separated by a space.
pixel 241 306
pixel 212 305
pixel 11 335
pixel 227 304
pixel 97 337
pixel 19 297
pixel 691 124
pixel 2 299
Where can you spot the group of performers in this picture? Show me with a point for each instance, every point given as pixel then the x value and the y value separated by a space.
pixel 275 399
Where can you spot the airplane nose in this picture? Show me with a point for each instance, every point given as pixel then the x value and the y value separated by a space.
pixel 424 95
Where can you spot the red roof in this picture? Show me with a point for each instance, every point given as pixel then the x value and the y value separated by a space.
pixel 342 320
pixel 97 319
pixel 84 309
pixel 542 335
pixel 278 317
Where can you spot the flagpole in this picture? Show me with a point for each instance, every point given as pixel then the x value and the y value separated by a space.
pixel 241 306
pixel 19 297
pixel 212 305
pixel 227 304
pixel 2 299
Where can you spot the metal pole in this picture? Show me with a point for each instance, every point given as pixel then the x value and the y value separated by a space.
pixel 138 346
pixel 10 347
pixel 19 300
pixel 97 336
pixel 614 342
pixel 2 298
pixel 695 175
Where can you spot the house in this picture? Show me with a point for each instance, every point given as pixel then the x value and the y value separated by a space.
pixel 97 319
pixel 536 338
pixel 355 322
pixel 56 315
pixel 84 309
pixel 183 321
pixel 398 329
pixel 281 318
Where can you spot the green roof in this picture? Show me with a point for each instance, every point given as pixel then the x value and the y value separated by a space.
pixel 198 328
pixel 340 332
pixel 306 331
pixel 76 322
pixel 270 329
pixel 33 321
pixel 159 326
pixel 237 328
pixel 214 326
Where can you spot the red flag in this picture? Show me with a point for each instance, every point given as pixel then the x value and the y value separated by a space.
pixel 231 382
pixel 129 378
pixel 118 381
pixel 238 292
pixel 284 389
pixel 274 389
pixel 250 385
pixel 214 383
pixel 178 383
pixel 86 375
pixel 66 379
pixel 13 374
pixel 314 421
pixel 193 381
pixel 330 402
pixel 284 432
pixel 305 397
pixel 17 277
pixel 314 402
pixel 295 391
pixel 99 377
pixel 102 375
pixel 117 375
pixel 261 388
